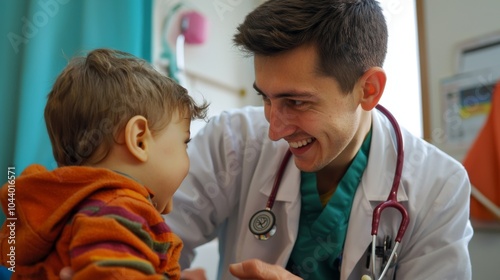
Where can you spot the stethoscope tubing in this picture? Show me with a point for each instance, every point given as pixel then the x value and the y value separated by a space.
pixel 277 180
pixel 392 201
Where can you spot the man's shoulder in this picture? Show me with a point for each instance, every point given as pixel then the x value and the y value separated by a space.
pixel 246 121
pixel 248 114
pixel 430 163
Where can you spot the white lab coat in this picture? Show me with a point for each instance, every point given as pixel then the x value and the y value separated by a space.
pixel 233 165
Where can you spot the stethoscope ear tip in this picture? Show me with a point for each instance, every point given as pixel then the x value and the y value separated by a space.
pixel 366 277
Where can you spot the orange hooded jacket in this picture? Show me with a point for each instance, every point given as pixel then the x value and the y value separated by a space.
pixel 98 222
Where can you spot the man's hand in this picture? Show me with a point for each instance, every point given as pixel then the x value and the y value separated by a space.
pixel 66 273
pixel 259 270
pixel 193 274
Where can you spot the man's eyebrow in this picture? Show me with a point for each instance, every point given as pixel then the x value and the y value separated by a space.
pixel 257 89
pixel 286 94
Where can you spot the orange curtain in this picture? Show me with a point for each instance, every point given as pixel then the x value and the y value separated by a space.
pixel 482 161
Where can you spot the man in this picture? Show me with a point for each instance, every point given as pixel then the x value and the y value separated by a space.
pixel 318 68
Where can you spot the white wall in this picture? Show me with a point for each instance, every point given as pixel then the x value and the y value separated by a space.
pixel 448 23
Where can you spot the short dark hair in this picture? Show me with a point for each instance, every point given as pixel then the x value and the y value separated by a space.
pixel 96 95
pixel 350 35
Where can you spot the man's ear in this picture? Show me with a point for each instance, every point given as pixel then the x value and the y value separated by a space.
pixel 373 84
pixel 137 137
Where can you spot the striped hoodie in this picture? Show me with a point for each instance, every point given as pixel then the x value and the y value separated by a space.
pixel 98 222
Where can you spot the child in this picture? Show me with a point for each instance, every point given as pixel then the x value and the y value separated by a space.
pixel 119 132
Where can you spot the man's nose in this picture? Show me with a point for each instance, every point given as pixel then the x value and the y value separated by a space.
pixel 279 122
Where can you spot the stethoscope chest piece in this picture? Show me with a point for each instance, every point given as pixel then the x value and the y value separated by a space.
pixel 263 224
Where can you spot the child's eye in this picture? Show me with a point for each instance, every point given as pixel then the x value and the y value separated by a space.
pixel 187 141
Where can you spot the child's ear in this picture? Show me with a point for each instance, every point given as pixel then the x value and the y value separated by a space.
pixel 137 137
pixel 373 84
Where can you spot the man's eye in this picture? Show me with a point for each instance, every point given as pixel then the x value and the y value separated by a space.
pixel 297 103
pixel 264 97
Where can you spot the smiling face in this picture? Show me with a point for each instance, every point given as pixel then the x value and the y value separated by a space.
pixel 168 164
pixel 323 125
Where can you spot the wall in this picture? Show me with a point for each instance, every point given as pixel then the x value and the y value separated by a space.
pixel 447 24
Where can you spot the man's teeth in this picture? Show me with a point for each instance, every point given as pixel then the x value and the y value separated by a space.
pixel 301 143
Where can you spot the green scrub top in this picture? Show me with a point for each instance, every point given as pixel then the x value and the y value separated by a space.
pixel 322 231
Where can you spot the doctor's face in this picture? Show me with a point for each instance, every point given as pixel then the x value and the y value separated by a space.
pixel 309 110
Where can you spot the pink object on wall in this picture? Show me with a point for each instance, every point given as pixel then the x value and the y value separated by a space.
pixel 194 26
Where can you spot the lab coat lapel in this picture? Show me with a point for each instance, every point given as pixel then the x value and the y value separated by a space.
pixel 358 232
pixel 290 183
pixel 290 212
pixel 286 210
pixel 379 174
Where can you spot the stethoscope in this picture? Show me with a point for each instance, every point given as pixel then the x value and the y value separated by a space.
pixel 263 223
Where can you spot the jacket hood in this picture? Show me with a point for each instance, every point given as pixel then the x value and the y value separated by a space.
pixel 44 203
